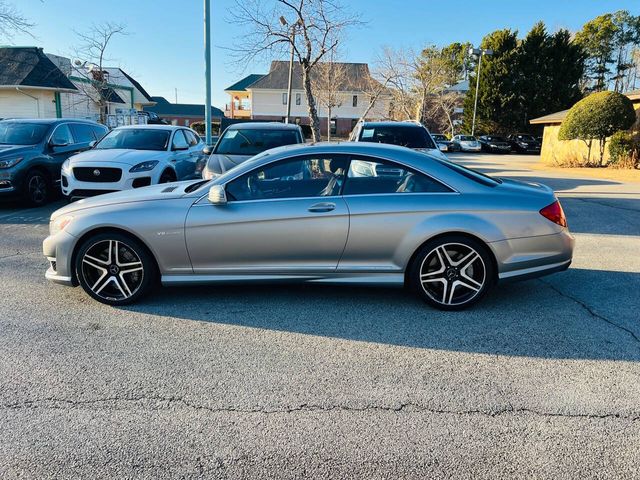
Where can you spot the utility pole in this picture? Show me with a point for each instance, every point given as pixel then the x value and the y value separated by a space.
pixel 207 70
pixel 176 90
pixel 479 52
pixel 284 23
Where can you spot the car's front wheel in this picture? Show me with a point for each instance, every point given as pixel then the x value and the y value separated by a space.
pixel 452 273
pixel 37 188
pixel 114 268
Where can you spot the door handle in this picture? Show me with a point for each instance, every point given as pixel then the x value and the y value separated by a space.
pixel 322 207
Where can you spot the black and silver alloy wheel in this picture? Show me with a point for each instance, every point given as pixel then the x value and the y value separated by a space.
pixel 452 273
pixel 113 269
pixel 36 188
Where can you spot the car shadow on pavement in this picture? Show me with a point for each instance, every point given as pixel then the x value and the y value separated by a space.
pixel 536 318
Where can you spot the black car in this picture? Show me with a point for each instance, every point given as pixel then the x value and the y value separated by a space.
pixel 33 151
pixel 524 143
pixel 494 144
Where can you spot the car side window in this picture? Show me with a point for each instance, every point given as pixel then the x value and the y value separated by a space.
pixel 368 176
pixel 99 131
pixel 62 135
pixel 312 176
pixel 191 138
pixel 82 133
pixel 179 141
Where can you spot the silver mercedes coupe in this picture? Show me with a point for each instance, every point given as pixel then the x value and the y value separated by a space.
pixel 349 213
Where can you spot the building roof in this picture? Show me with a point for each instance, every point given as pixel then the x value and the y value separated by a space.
pixel 357 77
pixel 558 117
pixel 138 86
pixel 165 108
pixel 263 126
pixel 460 87
pixel 241 85
pixel 110 95
pixel 30 67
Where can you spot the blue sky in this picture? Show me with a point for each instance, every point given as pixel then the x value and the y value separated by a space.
pixel 164 49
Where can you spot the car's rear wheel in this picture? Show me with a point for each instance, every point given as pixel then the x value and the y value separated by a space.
pixel 37 188
pixel 114 268
pixel 452 272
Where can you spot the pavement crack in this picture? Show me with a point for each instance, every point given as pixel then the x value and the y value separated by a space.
pixel 590 310
pixel 403 407
pixel 10 255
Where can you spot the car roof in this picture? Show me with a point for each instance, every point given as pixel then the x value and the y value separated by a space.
pixel 151 127
pixel 263 126
pixel 50 121
pixel 388 123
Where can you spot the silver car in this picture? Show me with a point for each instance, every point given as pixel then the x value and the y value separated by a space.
pixel 241 141
pixel 326 213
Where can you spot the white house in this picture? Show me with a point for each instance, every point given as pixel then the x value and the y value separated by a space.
pixel 38 85
pixel 31 85
pixel 264 97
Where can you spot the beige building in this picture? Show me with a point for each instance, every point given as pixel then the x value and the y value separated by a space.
pixel 264 97
pixel 555 151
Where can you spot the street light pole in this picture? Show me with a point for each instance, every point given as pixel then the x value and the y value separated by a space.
pixel 480 53
pixel 207 70
pixel 284 23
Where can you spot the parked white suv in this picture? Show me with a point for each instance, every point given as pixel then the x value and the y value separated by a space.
pixel 132 157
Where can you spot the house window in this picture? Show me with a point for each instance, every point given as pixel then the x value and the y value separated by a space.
pixel 334 126
pixel 355 100
pixel 298 98
pixel 284 98
pixel 297 120
pixel 354 122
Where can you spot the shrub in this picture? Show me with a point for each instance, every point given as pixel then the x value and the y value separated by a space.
pixel 624 150
pixel 199 127
pixel 597 117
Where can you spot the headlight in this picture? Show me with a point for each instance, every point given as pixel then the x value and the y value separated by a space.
pixel 59 224
pixel 493 145
pixel 66 166
pixel 10 162
pixel 144 166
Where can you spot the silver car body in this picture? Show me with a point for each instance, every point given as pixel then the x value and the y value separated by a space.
pixel 366 238
pixel 464 145
pixel 218 163
pixel 185 163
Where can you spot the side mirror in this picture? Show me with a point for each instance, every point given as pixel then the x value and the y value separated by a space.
pixel 207 150
pixel 53 144
pixel 442 147
pixel 217 195
pixel 177 149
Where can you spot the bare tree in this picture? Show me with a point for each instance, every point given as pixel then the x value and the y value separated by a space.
pixel 328 82
pixel 92 51
pixel 12 21
pixel 394 70
pixel 310 28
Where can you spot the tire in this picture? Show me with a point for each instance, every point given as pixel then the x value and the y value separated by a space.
pixel 167 177
pixel 115 269
pixel 452 272
pixel 36 188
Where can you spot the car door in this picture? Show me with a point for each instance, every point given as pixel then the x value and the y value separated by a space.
pixel 388 204
pixel 61 145
pixel 196 155
pixel 180 156
pixel 285 217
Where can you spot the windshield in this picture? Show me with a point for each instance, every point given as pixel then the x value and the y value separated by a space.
pixel 439 137
pixel 253 141
pixel 403 135
pixel 135 139
pixel 526 138
pixel 495 139
pixel 19 133
pixel 468 138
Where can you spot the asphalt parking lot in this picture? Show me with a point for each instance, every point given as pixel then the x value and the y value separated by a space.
pixel 540 380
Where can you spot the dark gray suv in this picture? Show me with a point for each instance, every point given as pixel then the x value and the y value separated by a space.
pixel 32 152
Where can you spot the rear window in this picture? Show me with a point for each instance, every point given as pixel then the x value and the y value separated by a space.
pixel 253 141
pixel 403 135
pixel 467 138
pixel 471 174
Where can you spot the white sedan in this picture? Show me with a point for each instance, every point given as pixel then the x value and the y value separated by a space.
pixel 133 157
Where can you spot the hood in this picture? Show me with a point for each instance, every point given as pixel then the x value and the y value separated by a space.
pixel 219 163
pixel 116 155
pixel 11 150
pixel 163 191
pixel 435 152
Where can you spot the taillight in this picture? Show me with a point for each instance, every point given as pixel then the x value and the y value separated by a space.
pixel 554 213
